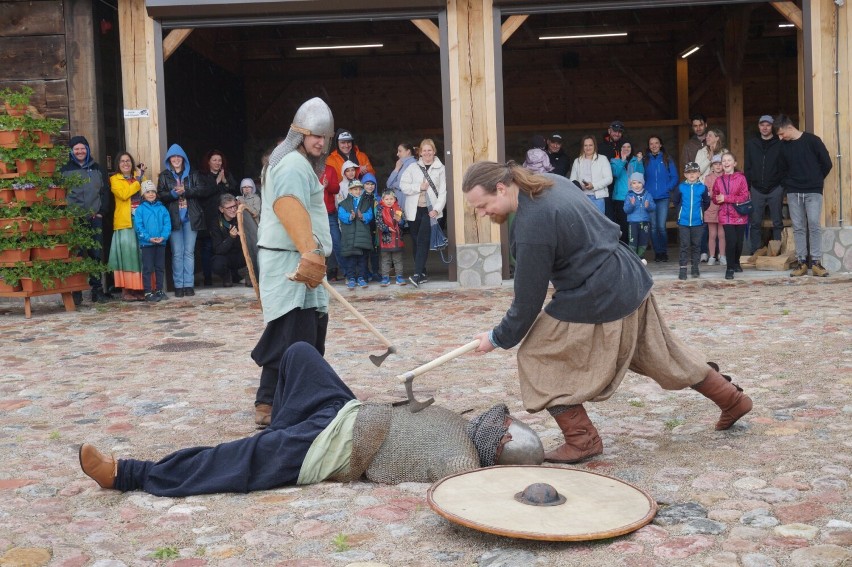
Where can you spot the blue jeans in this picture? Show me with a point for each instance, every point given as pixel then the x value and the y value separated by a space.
pixel 658 217
pixel 805 215
pixel 334 227
pixel 599 204
pixel 183 256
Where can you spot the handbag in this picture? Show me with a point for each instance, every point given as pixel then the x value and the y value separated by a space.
pixel 437 241
pixel 745 208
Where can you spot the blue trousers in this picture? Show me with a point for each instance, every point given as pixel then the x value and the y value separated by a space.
pixel 183 256
pixel 303 407
pixel 659 238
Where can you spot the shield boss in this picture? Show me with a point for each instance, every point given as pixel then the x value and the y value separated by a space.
pixel 596 506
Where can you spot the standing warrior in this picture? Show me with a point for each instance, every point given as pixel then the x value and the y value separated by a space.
pixel 603 319
pixel 293 242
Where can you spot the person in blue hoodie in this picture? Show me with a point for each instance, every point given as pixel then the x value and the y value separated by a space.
pixel 182 191
pixel 626 164
pixel 91 193
pixel 690 200
pixel 639 206
pixel 374 268
pixel 355 214
pixel 661 179
pixel 153 227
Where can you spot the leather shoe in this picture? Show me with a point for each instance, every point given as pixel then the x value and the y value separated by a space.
pixel 189 291
pixel 262 415
pixel 97 466
pixel 179 292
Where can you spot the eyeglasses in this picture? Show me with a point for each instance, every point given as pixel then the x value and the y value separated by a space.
pixel 231 208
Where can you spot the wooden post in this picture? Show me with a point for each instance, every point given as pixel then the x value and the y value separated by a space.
pixel 683 131
pixel 736 34
pixel 429 29
pixel 84 114
pixel 473 107
pixel 142 70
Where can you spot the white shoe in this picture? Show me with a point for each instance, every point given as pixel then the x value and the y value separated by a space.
pixel 723 261
pixel 711 262
pixel 644 262
pixel 704 256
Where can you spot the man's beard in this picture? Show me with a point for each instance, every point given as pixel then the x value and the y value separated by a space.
pixel 499 219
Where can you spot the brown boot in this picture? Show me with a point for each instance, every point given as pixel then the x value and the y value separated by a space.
pixel 581 438
pixel 97 466
pixel 725 394
pixel 262 415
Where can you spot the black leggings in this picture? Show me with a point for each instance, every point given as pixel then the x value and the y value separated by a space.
pixel 421 230
pixel 734 238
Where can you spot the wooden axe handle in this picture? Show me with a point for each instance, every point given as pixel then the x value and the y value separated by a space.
pixel 439 361
pixel 336 295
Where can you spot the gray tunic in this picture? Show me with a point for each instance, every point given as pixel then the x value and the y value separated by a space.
pixel 558 236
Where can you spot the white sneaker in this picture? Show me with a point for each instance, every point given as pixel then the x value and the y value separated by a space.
pixel 704 256
pixel 711 262
pixel 644 262
pixel 723 261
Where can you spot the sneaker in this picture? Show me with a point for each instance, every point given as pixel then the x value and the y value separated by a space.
pixel 681 275
pixel 424 278
pixel 161 294
pixel 711 261
pixel 644 261
pixel 664 258
pixel 400 280
pixel 695 272
pixel 729 274
pixel 179 291
pixel 152 297
pixel 723 261
pixel 800 269
pixel 704 257
pixel 362 282
pixel 818 270
pixel 189 291
pixel 385 281
pixel 350 283
pixel 738 269
pixel 377 278
pixel 415 280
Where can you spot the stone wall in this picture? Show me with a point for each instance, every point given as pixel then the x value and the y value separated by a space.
pixel 837 249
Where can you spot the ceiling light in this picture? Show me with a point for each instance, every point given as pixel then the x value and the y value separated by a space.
pixel 690 51
pixel 786 25
pixel 583 36
pixel 358 46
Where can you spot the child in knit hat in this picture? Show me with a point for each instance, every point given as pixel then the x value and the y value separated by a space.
pixel 153 227
pixel 638 205
pixel 537 161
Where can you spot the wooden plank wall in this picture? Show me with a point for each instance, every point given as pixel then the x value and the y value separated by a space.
pixel 32 53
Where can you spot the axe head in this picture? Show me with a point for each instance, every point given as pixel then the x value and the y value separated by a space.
pixel 378 359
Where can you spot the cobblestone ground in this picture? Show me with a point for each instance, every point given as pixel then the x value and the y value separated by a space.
pixel 142 381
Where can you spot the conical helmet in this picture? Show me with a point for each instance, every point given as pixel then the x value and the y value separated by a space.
pixel 314 118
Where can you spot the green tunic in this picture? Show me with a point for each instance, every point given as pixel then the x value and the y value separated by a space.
pixel 277 255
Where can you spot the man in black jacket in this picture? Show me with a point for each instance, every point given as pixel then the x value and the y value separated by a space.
pixel 557 156
pixel 764 180
pixel 228 256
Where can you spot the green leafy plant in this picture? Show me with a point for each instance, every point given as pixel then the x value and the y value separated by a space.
pixel 12 123
pixel 672 423
pixel 11 275
pixel 10 243
pixel 168 552
pixel 43 212
pixel 637 403
pixel 55 436
pixel 16 98
pixel 12 210
pixel 340 542
pixel 50 126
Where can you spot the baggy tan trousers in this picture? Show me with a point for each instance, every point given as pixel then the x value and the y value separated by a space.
pixel 562 363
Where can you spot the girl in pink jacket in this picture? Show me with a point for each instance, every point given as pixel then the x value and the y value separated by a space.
pixel 731 188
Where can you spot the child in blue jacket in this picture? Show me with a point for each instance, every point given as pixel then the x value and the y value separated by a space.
pixel 638 205
pixel 153 227
pixel 690 200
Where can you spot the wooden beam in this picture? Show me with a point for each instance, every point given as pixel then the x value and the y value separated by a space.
pixel 510 26
pixel 81 62
pixel 683 131
pixel 790 11
pixel 172 41
pixel 736 36
pixel 429 29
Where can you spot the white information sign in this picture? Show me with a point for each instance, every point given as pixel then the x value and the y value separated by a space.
pixel 136 113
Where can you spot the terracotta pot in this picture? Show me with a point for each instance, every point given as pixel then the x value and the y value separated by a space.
pixel 6 195
pixel 6 288
pixel 58 252
pixel 42 139
pixel 9 257
pixel 17 110
pixel 53 226
pixel 29 285
pixel 9 138
pixel 28 196
pixel 5 167
pixel 25 166
pixel 46 167
pixel 56 194
pixel 76 280
pixel 14 225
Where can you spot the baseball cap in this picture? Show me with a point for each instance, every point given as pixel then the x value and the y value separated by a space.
pixel 556 136
pixel 766 118
pixel 691 166
pixel 345 136
pixel 617 125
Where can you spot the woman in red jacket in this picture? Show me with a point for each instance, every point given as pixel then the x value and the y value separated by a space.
pixel 730 189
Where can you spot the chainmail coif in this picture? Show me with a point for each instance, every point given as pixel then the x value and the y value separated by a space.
pixel 486 430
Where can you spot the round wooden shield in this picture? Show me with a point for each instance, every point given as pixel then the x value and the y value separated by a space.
pixel 596 506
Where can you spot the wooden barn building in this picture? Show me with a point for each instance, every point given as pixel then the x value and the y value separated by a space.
pixel 480 77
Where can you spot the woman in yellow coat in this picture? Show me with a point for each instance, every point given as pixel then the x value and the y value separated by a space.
pixel 124 257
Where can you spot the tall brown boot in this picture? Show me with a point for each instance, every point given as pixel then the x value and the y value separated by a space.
pixel 97 466
pixel 581 438
pixel 725 394
pixel 262 415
